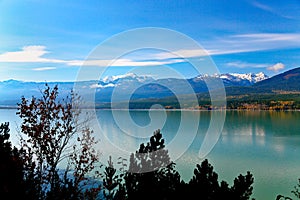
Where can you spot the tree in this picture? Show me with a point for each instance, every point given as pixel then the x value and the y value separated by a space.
pixel 49 125
pixel 242 188
pixel 82 160
pixel 205 184
pixel 151 174
pixel 11 167
pixel 112 183
pixel 295 192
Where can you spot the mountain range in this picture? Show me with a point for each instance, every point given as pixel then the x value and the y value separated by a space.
pixel 146 87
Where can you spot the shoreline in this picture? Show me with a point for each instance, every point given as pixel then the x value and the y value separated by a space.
pixel 184 109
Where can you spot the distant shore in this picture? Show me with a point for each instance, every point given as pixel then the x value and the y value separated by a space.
pixel 173 109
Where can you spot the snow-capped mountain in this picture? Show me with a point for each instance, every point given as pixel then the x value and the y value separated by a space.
pixel 128 76
pixel 147 88
pixel 251 77
pixel 228 79
pixel 119 80
pixel 142 86
pixel 236 78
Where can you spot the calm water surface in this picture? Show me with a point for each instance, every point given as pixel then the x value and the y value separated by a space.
pixel 265 143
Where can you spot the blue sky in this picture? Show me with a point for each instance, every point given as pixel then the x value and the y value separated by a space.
pixel 49 40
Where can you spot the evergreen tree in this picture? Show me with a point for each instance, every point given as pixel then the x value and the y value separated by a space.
pixel 11 167
pixel 151 174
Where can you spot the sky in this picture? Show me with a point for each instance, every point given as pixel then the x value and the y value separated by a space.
pixel 51 40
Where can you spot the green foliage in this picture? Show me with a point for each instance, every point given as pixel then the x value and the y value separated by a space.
pixel 287 81
pixel 236 97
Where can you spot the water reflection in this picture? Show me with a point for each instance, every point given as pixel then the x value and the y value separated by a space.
pixel 240 128
pixel 279 123
pixel 265 142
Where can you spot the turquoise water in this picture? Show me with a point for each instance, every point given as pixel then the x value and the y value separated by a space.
pixel 265 143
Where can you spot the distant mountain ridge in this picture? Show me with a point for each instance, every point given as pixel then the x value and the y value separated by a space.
pixel 228 79
pixel 146 86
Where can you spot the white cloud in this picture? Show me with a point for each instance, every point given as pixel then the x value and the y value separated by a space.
pixel 43 68
pixel 121 63
pixel 240 64
pixel 278 9
pixel 31 54
pixel 277 67
pixel 35 53
pixel 228 45
pixel 270 37
pixel 252 42
pixel 183 53
pixel 193 53
pixel 262 6
pixel 101 86
pixel 238 44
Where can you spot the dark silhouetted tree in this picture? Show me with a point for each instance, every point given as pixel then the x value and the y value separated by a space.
pixel 151 174
pixel 205 184
pixel 112 183
pixel 295 192
pixel 242 188
pixel 11 168
pixel 49 126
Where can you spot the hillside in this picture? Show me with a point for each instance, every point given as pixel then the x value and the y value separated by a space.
pixel 241 90
pixel 281 91
pixel 287 81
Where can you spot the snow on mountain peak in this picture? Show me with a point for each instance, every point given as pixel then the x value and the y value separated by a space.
pixel 251 77
pixel 237 77
pixel 130 75
pixel 113 81
pixel 260 77
pixel 116 77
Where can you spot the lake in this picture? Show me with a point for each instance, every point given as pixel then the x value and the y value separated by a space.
pixel 266 143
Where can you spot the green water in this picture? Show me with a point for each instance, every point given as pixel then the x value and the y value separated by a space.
pixel 265 143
